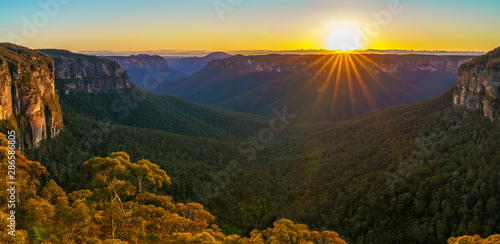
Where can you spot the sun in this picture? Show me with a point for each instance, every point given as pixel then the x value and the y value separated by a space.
pixel 344 38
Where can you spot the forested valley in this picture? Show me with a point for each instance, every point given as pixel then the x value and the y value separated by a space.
pixel 135 167
pixel 417 172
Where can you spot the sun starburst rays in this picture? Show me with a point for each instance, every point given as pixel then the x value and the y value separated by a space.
pixel 346 84
pixel 324 88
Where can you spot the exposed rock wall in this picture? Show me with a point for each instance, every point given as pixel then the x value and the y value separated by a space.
pixel 30 81
pixel 77 73
pixel 27 95
pixel 478 87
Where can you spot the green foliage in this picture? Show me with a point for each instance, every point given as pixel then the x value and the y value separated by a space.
pixel 406 173
pixel 495 64
pixel 65 55
pixel 19 56
pixel 121 207
pixel 188 159
pixel 490 60
pixel 137 108
pixel 413 173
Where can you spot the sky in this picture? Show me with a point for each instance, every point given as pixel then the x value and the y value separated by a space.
pixel 223 25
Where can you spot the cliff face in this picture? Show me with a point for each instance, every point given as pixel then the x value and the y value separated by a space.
pixel 76 73
pixel 478 87
pixel 28 100
pixel 310 64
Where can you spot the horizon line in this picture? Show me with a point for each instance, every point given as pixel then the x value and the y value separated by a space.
pixel 184 52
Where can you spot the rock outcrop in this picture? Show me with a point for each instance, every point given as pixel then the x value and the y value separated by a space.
pixel 76 73
pixel 30 81
pixel 478 87
pixel 28 101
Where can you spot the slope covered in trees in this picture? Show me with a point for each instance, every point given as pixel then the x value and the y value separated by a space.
pixel 123 204
pixel 416 172
pixel 138 108
pixel 189 160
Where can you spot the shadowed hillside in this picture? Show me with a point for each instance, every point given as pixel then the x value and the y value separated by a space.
pixel 318 88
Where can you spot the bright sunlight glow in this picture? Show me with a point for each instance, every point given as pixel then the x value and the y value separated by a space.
pixel 344 39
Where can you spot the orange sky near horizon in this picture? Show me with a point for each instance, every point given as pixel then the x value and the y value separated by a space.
pixel 258 25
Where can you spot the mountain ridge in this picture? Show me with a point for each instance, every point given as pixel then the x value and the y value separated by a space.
pixel 191 65
pixel 319 87
pixel 144 69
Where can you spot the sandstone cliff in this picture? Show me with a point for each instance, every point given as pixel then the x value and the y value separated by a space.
pixel 478 87
pixel 76 73
pixel 28 101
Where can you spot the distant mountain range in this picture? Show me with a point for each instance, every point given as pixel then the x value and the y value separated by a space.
pixel 193 53
pixel 146 71
pixel 318 87
pixel 192 65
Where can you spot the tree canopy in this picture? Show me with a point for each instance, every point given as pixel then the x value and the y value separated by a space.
pixel 123 205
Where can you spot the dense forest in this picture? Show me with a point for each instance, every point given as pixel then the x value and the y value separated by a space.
pixel 418 172
pixel 138 108
pixel 121 205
